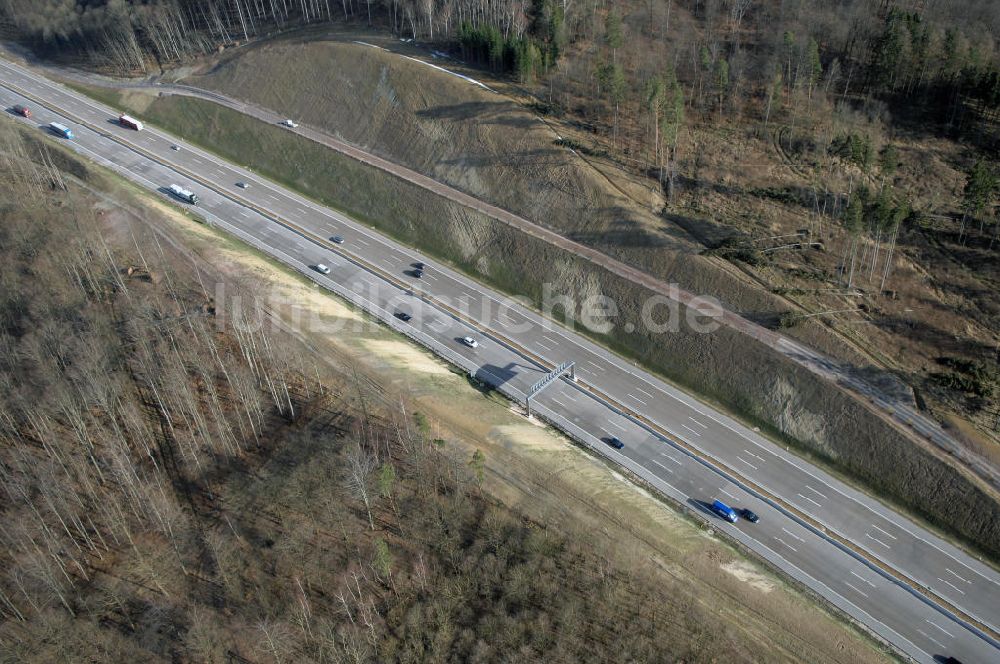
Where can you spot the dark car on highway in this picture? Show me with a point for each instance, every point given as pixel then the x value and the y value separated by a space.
pixel 418 266
pixel 403 316
pixel 615 443
pixel 749 515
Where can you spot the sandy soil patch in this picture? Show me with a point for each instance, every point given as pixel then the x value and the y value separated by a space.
pixel 139 101
pixel 526 435
pixel 748 574
pixel 975 439
pixel 402 354
pixel 303 305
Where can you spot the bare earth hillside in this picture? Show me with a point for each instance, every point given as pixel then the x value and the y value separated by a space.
pixel 441 125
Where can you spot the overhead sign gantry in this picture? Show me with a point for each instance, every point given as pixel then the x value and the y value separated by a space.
pixel 551 377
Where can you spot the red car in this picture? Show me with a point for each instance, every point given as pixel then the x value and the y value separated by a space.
pixel 22 110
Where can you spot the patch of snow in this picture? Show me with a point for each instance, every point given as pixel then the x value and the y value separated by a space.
pixel 367 44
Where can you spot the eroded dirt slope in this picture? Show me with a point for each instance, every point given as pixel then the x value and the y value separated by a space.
pixel 438 124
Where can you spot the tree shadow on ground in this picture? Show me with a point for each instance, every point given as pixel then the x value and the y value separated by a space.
pixel 887 383
pixel 623 232
pixel 483 112
pixel 945 342
pixel 536 159
pixel 496 376
pixel 705 231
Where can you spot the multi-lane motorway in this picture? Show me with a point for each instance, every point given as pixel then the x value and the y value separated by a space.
pixel 911 588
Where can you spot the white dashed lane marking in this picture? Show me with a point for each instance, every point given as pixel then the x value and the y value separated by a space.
pixel 703 426
pixel 952 585
pixel 939 627
pixel 821 495
pixel 786 530
pixel 957 576
pixel 556 399
pixel 928 636
pixel 863 578
pixel 874 539
pixel 883 531
pixel 809 499
pixel 662 466
pixel 855 589
pixel 786 544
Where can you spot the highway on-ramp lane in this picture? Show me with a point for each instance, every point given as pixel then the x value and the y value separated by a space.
pixel 915 590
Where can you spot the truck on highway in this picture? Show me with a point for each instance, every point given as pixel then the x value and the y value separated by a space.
pixel 725 511
pixel 183 194
pixel 60 130
pixel 129 122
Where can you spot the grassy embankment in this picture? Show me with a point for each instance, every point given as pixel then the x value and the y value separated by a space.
pixel 742 376
pixel 210 517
